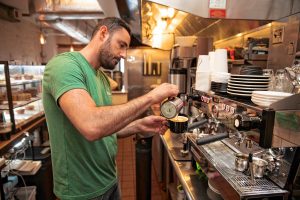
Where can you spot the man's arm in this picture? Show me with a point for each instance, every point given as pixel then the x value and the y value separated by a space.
pixel 96 122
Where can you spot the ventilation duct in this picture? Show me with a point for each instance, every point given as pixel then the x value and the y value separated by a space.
pixel 75 18
pixel 238 9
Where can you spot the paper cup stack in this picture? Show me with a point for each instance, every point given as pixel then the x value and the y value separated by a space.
pixel 203 74
pixel 219 70
pixel 220 63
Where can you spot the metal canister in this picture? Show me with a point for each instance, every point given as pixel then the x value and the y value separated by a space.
pixel 170 108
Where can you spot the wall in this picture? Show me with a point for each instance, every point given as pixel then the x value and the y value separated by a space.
pixel 20 42
pixel 138 84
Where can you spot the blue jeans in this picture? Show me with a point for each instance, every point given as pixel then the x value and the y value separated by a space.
pixel 114 193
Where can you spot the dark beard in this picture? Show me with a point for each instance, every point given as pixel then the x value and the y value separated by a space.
pixel 106 59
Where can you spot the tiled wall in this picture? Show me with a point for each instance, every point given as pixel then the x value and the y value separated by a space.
pixel 287 129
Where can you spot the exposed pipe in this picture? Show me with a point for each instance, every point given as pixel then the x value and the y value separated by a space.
pixel 70 15
pixel 71 30
pixel 61 15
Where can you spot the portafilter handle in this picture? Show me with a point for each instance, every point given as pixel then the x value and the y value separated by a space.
pixel 197 124
pixel 212 138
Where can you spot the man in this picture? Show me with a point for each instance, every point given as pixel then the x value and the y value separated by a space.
pixel 83 126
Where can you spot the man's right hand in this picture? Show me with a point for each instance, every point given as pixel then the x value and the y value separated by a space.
pixel 162 92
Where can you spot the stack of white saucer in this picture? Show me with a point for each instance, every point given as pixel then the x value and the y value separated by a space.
pixel 266 98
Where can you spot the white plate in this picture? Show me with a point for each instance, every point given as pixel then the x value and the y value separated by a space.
pixel 267 98
pixel 261 103
pixel 249 79
pixel 249 85
pixel 247 88
pixel 248 76
pixel 263 99
pixel 238 94
pixel 240 91
pixel 250 82
pixel 272 94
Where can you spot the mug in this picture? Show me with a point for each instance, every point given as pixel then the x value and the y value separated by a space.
pixel 178 124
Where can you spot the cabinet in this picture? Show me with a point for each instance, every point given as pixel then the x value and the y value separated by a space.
pixel 20 98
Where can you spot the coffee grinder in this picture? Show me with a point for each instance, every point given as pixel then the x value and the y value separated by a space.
pixel 182 60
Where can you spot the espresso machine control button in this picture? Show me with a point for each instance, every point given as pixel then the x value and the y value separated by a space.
pixel 244 122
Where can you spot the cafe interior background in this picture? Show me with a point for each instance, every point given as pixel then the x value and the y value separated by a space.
pixel 171 42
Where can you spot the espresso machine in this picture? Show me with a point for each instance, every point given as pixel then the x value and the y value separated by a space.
pixel 250 132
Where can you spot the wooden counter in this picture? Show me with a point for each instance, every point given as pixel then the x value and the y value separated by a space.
pixel 119 97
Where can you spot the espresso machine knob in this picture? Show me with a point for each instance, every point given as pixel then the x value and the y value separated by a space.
pixel 244 122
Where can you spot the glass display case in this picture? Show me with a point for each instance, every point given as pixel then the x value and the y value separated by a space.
pixel 20 97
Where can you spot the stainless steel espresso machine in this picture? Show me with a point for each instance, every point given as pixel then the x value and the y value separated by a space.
pixel 250 132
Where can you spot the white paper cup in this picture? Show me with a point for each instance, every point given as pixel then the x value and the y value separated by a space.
pixel 220 64
pixel 202 81
pixel 203 63
pixel 211 55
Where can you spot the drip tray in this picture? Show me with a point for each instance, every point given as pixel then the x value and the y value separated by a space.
pixel 222 158
pixel 244 185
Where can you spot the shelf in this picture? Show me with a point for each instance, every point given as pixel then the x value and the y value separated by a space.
pixel 20 82
pixel 19 103
pixel 33 123
pixel 236 62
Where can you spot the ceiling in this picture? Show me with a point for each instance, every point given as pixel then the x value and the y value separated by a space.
pixel 152 24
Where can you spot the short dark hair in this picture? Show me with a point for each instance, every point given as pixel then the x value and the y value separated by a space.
pixel 112 24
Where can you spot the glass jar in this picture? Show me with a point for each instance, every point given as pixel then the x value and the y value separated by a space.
pixel 282 83
pixel 270 73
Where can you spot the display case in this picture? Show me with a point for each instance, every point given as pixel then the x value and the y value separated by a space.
pixel 20 97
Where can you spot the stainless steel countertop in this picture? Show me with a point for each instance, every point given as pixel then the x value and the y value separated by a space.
pixel 194 187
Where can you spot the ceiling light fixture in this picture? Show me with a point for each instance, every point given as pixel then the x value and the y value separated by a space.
pixel 171 12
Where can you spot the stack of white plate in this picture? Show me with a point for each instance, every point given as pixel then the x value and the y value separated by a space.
pixel 266 98
pixel 243 85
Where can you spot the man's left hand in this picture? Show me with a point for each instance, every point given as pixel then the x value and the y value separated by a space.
pixel 152 124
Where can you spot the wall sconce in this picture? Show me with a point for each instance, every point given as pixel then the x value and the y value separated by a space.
pixel 171 12
pixel 71 48
pixel 42 39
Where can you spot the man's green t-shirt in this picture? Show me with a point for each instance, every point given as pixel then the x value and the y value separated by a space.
pixel 81 169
